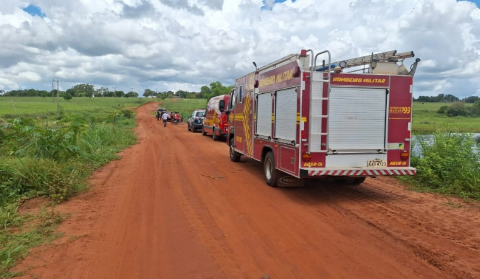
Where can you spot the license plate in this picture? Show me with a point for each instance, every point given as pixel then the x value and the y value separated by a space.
pixel 377 163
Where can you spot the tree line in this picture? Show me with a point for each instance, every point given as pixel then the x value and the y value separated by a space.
pixel 445 98
pixel 89 91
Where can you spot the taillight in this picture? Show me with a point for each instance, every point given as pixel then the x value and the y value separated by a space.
pixel 306 157
pixel 404 155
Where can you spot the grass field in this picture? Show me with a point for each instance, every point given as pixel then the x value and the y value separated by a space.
pixel 39 105
pixel 426 120
pixel 184 106
pixel 425 117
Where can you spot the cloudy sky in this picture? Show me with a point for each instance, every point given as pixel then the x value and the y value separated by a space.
pixel 185 44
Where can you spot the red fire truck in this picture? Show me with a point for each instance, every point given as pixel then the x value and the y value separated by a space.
pixel 307 120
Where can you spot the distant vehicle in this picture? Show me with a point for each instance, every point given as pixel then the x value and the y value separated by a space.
pixel 161 110
pixel 216 121
pixel 196 120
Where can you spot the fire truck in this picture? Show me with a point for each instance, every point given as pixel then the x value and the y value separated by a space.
pixel 303 118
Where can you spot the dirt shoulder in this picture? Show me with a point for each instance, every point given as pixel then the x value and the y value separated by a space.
pixel 174 206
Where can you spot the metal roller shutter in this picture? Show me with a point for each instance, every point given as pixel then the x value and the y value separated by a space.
pixel 286 114
pixel 357 118
pixel 264 115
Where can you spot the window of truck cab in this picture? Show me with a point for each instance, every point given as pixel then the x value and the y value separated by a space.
pixel 232 100
pixel 239 92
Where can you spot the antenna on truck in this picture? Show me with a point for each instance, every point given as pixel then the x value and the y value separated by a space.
pixel 256 68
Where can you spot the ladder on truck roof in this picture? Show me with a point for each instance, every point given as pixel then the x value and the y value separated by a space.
pixel 388 56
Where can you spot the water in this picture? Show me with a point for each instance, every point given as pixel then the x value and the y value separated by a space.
pixel 416 148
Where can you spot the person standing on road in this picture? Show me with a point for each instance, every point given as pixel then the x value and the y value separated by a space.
pixel 164 118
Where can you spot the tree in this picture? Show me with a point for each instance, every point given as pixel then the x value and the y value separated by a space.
pixel 471 99
pixel 148 93
pixel 67 96
pixel 131 94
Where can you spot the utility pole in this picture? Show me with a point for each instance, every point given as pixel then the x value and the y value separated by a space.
pixel 53 101
pixel 58 94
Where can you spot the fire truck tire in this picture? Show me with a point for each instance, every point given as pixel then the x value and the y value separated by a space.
pixel 203 132
pixel 359 180
pixel 234 155
pixel 214 135
pixel 269 170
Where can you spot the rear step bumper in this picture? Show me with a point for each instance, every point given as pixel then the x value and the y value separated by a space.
pixel 358 172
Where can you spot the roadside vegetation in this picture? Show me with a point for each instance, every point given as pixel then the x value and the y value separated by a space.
pixel 447 162
pixel 49 156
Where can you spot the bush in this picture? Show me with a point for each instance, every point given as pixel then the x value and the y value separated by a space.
pixel 448 164
pixel 127 113
pixel 442 109
pixel 457 109
pixel 31 177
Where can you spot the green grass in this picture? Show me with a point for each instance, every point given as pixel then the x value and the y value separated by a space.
pixel 448 164
pixel 184 106
pixel 426 120
pixel 40 105
pixel 36 229
pixel 51 155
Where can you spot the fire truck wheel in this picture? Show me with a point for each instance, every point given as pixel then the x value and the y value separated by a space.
pixel 271 173
pixel 203 132
pixel 234 155
pixel 359 180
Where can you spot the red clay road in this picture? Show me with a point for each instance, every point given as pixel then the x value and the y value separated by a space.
pixel 175 206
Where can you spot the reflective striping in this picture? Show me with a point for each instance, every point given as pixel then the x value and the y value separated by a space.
pixel 356 172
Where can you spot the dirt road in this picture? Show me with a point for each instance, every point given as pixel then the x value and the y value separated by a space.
pixel 175 207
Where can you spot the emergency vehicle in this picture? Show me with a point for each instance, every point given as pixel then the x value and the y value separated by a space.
pixel 307 120
pixel 215 121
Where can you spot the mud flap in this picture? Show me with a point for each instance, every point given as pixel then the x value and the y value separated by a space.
pixel 286 180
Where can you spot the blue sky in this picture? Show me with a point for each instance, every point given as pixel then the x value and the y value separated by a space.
pixel 474 1
pixel 34 10
pixel 281 1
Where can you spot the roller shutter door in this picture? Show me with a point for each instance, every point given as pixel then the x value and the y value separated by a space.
pixel 286 114
pixel 264 114
pixel 357 118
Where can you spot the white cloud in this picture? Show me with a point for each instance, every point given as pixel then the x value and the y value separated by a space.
pixel 167 44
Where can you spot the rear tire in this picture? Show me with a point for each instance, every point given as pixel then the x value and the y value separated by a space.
pixel 203 132
pixel 188 126
pixel 234 155
pixel 214 136
pixel 269 170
